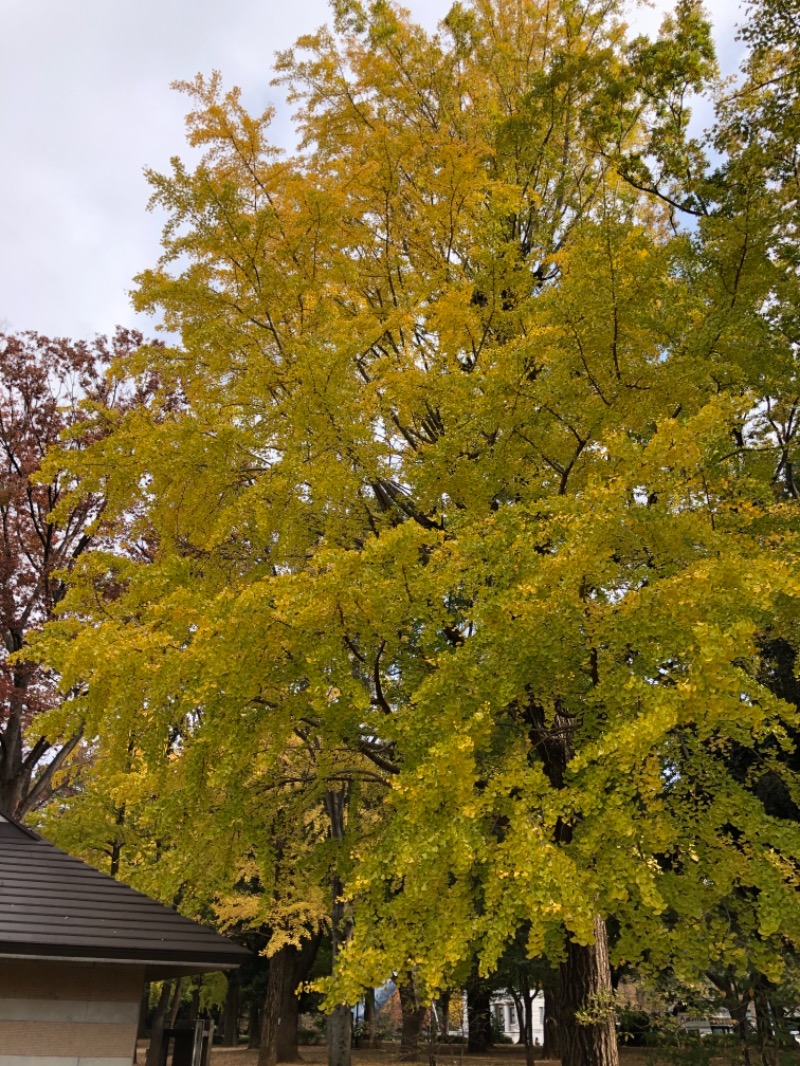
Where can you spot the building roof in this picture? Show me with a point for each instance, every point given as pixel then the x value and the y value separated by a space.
pixel 53 906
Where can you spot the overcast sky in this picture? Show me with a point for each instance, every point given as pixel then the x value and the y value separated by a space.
pixel 85 105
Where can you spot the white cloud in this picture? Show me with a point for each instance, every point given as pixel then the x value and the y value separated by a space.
pixel 87 105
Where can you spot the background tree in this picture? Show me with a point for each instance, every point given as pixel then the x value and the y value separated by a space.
pixel 44 384
pixel 251 838
pixel 746 211
pixel 524 978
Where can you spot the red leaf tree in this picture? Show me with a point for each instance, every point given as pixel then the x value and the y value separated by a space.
pixel 42 385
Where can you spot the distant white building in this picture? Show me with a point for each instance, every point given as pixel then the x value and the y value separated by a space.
pixel 504 1013
pixel 719 1024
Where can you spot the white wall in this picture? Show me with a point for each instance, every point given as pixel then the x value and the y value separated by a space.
pixel 68 1014
pixel 505 1014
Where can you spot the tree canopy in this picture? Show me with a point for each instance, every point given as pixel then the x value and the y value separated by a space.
pixel 470 490
pixel 45 386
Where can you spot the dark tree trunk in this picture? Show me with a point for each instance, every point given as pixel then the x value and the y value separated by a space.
pixel 524 1011
pixel 586 987
pixel 523 1004
pixel 157 1028
pixel 230 1024
pixel 175 1006
pixel 370 1020
pixel 528 1011
pixel 141 1025
pixel 302 960
pixel 445 1002
pixel 287 1025
pixel 194 1002
pixel 765 1027
pixel 737 1004
pixel 413 1019
pixel 14 781
pixel 519 1010
pixel 340 1020
pixel 279 984
pixel 738 1012
pixel 552 1030
pixel 144 1005
pixel 479 1017
pixel 254 1026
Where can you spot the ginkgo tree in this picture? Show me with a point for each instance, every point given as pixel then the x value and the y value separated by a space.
pixel 471 489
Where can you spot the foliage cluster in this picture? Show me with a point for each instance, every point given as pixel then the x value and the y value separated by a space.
pixel 469 489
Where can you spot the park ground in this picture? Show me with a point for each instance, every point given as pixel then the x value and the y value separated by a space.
pixel 318 1056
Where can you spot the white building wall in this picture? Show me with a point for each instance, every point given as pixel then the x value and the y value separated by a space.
pixel 504 1012
pixel 68 1014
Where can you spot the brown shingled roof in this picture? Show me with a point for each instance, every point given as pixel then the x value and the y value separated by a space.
pixel 53 906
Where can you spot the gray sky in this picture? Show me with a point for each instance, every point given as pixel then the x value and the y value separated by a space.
pixel 86 105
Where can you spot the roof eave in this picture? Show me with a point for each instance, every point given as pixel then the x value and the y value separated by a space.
pixel 155 967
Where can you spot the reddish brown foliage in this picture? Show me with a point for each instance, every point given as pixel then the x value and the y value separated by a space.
pixel 42 383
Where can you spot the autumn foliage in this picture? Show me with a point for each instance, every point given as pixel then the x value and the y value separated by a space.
pixel 46 387
pixel 474 529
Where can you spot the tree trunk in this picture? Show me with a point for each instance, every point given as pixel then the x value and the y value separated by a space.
pixel 279 983
pixel 175 1006
pixel 254 1027
pixel 116 845
pixel 12 775
pixel 551 1048
pixel 444 999
pixel 519 1010
pixel 340 1020
pixel 736 1003
pixel 738 1011
pixel 194 1001
pixel 479 1017
pixel 157 1029
pixel 141 1025
pixel 230 1025
pixel 287 1026
pixel 302 960
pixel 413 1020
pixel 340 1036
pixel 370 1020
pixel 586 971
pixel 586 987
pixel 144 1006
pixel 528 1010
pixel 767 1036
